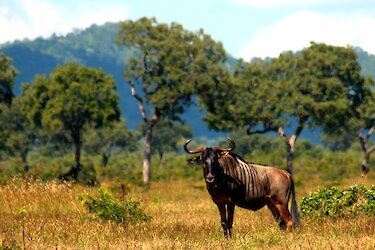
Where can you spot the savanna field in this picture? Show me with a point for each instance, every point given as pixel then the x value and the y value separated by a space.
pixel 71 168
pixel 39 214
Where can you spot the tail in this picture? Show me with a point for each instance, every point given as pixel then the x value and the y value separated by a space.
pixel 294 208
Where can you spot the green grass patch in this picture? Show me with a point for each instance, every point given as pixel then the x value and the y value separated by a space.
pixel 335 202
pixel 108 208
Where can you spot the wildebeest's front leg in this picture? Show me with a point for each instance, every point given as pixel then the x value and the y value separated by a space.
pixel 230 208
pixel 223 216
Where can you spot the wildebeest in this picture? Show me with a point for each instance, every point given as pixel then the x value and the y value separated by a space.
pixel 231 181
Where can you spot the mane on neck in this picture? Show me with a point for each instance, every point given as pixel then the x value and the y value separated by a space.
pixel 235 157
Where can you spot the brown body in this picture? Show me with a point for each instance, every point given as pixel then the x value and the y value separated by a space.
pixel 233 182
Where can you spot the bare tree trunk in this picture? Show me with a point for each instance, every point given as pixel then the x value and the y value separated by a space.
pixel 161 157
pixel 76 168
pixel 289 157
pixel 147 155
pixel 150 122
pixel 363 139
pixel 107 154
pixel 290 142
pixel 77 156
pixel 365 163
pixel 105 159
pixel 25 164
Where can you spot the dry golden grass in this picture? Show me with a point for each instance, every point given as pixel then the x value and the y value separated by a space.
pixel 36 215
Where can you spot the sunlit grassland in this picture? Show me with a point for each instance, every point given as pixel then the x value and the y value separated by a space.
pixel 48 215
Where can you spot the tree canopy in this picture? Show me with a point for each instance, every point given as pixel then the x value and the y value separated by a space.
pixel 169 136
pixel 318 86
pixel 106 140
pixel 361 125
pixel 18 132
pixel 170 64
pixel 7 75
pixel 71 97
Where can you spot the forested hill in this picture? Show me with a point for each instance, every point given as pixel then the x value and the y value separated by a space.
pixel 95 47
pixel 367 62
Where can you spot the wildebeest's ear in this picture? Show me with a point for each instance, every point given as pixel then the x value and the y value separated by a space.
pixel 222 153
pixel 195 160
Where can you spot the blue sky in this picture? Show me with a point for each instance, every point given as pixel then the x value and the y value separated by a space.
pixel 247 28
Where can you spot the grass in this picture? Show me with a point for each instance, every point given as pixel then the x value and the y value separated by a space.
pixel 48 215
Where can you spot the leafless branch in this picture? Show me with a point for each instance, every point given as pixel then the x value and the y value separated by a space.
pixel 298 131
pixel 371 130
pixel 266 128
pixel 156 115
pixel 281 132
pixel 140 101
pixel 362 140
pixel 371 149
pixel 258 131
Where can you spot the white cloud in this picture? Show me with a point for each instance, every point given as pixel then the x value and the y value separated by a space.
pixel 296 3
pixel 18 18
pixel 32 18
pixel 296 31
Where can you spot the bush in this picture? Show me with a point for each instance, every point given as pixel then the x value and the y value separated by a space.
pixel 107 208
pixel 333 202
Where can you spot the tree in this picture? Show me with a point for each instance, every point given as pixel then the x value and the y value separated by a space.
pixel 339 141
pixel 7 75
pixel 20 132
pixel 55 144
pixel 367 148
pixel 319 86
pixel 362 125
pixel 105 140
pixel 69 99
pixel 170 63
pixel 248 145
pixel 169 136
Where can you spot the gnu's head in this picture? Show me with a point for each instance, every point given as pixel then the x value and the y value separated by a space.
pixel 209 156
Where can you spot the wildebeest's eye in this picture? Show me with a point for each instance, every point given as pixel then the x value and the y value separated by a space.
pixel 196 159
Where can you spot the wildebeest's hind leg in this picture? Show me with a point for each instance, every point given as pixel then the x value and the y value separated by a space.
pixel 284 212
pixel 276 215
pixel 223 217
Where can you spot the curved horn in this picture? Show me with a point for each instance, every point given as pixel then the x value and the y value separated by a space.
pixel 233 145
pixel 191 151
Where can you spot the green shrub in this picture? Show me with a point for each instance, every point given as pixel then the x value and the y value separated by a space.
pixel 108 208
pixel 333 202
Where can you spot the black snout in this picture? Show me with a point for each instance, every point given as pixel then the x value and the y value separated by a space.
pixel 210 178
